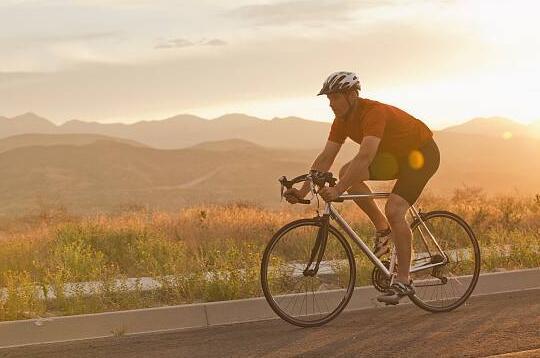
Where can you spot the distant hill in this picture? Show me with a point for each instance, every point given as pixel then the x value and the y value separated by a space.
pixel 25 123
pixel 185 160
pixel 25 140
pixel 497 165
pixel 106 175
pixel 228 144
pixel 185 130
pixel 496 127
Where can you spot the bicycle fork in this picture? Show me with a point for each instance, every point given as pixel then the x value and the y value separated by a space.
pixel 318 249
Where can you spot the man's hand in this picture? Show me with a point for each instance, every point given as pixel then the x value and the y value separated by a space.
pixel 294 195
pixel 330 193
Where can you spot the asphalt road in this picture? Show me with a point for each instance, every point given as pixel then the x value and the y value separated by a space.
pixel 485 326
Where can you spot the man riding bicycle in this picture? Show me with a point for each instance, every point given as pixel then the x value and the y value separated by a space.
pixel 393 145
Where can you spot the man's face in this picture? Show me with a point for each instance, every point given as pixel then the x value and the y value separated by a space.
pixel 338 103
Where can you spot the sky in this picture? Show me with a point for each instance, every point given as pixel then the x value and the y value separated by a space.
pixel 444 62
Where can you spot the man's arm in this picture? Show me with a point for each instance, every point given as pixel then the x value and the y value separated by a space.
pixel 323 162
pixel 358 169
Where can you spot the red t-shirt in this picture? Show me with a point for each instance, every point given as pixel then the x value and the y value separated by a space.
pixel 400 132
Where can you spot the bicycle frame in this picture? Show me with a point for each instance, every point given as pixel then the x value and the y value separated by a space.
pixel 331 212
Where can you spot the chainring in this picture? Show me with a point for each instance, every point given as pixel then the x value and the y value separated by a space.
pixel 379 280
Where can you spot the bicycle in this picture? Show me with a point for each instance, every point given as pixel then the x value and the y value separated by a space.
pixel 308 269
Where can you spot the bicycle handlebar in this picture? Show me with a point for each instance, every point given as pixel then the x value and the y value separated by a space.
pixel 316 177
pixel 289 184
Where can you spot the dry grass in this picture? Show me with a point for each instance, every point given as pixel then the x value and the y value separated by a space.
pixel 205 253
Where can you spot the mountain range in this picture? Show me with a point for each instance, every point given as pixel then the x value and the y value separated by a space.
pixel 186 130
pixel 183 130
pixel 87 172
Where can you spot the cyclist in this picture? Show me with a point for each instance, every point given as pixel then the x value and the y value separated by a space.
pixel 393 145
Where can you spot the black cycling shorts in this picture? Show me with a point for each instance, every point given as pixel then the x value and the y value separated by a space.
pixel 412 172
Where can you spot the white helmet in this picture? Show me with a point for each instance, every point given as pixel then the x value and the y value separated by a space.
pixel 340 81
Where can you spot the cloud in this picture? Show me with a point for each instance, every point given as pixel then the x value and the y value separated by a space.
pixel 162 46
pixel 390 44
pixel 181 42
pixel 284 13
pixel 38 39
pixel 175 43
pixel 387 56
pixel 83 3
pixel 215 42
pixel 89 36
pixel 11 77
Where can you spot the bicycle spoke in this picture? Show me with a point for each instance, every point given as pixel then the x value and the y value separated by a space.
pixel 452 282
pixel 306 299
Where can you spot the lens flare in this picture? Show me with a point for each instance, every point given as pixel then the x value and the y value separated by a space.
pixel 507 135
pixel 384 166
pixel 416 160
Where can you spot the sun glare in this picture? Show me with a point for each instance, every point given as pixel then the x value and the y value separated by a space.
pixel 507 135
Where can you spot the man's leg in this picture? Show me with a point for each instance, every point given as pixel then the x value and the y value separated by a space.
pixel 406 191
pixel 396 209
pixel 367 205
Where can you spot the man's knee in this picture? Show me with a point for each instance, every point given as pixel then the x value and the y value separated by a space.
pixel 395 210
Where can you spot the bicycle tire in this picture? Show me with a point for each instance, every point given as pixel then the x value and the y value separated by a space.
pixel 265 264
pixel 472 279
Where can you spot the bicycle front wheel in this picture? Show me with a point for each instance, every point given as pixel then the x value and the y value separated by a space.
pixel 455 262
pixel 299 297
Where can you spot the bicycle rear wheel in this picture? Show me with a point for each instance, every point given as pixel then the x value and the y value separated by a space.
pixel 300 298
pixel 445 287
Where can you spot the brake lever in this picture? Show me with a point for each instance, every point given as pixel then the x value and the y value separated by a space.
pixel 283 180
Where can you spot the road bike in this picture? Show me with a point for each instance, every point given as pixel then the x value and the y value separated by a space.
pixel 309 270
